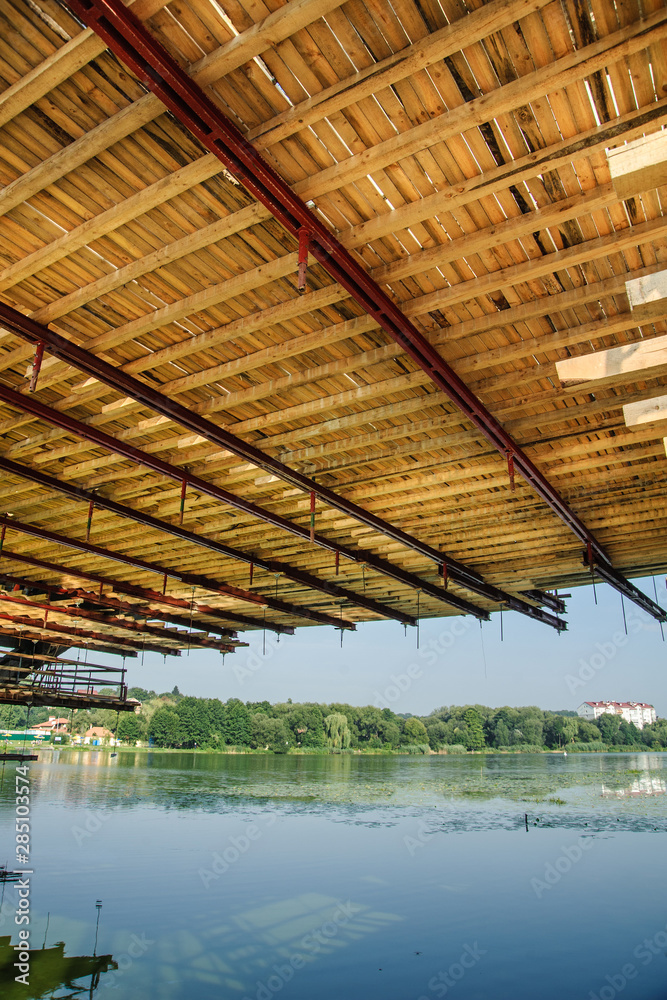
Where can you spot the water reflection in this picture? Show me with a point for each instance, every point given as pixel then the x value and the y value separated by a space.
pixel 51 971
pixel 644 785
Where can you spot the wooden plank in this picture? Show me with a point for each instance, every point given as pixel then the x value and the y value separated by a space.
pixel 619 361
pixel 648 411
pixel 479 111
pixel 65 61
pixel 647 294
pixel 639 165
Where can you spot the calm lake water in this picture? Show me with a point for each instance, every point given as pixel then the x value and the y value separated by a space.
pixel 342 877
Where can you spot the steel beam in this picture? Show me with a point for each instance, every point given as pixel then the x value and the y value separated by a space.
pixel 131 42
pixel 184 638
pixel 9 635
pixel 544 597
pixel 619 583
pixel 114 640
pixel 270 565
pixel 225 589
pixel 88 362
pixel 45 658
pixel 105 601
pixel 124 588
pixel 14 524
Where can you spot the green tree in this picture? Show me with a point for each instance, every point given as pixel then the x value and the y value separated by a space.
pixel 270 734
pixel 414 731
pixel 236 727
pixel 307 725
pixel 165 728
pixel 195 721
pixel 337 730
pixel 502 735
pixel 609 726
pixel 130 728
pixel 475 730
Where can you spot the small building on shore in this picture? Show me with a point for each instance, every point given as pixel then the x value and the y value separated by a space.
pixel 98 734
pixel 52 725
pixel 638 712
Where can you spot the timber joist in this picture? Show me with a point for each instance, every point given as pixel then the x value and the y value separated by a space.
pixel 436 180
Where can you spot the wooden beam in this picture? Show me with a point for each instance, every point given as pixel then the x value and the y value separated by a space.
pixel 614 363
pixel 61 64
pixel 561 73
pixel 639 165
pixel 648 411
pixel 647 294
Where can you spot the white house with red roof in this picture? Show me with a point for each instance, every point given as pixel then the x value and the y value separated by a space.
pixel 632 711
pixel 53 725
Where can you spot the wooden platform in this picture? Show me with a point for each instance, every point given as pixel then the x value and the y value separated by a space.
pixel 459 151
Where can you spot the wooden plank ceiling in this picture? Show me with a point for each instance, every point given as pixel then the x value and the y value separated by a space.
pixel 458 149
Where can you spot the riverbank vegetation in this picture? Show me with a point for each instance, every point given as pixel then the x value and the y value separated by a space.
pixel 172 720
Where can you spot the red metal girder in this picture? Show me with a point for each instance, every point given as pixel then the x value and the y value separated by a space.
pixel 70 644
pixel 193 579
pixel 189 638
pixel 225 589
pixel 104 600
pixel 270 565
pixel 130 40
pixel 115 640
pixel 619 583
pixel 66 351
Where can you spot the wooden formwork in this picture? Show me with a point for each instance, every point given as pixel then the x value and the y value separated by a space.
pixel 460 153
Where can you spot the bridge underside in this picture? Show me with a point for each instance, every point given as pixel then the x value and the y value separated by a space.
pixel 323 312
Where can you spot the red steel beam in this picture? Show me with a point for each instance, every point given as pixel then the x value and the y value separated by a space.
pixel 259 562
pixel 184 638
pixel 116 640
pixel 73 354
pixel 196 581
pixel 75 543
pixel 104 600
pixel 35 637
pixel 131 41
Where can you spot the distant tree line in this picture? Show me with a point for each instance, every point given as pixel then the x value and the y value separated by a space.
pixel 173 720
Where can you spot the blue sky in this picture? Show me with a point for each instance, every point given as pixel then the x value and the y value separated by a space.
pixel 457 662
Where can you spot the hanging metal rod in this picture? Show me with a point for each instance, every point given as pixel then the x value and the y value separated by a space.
pixel 29 330
pixel 131 42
